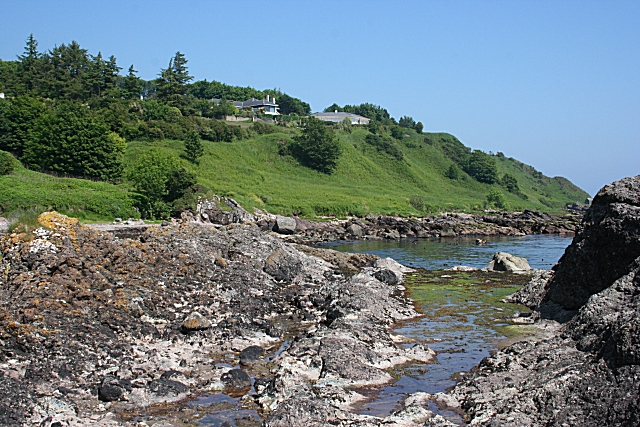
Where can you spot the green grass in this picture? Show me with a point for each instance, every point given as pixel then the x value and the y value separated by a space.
pixel 365 181
pixel 252 172
pixel 28 191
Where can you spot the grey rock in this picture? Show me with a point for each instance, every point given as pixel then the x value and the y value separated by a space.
pixel 604 248
pixel 251 355
pixel 589 373
pixel 236 379
pixel 283 265
pixel 164 387
pixel 285 225
pixel 503 261
pixel 355 230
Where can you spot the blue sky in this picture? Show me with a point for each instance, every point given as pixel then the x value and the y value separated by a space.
pixel 555 84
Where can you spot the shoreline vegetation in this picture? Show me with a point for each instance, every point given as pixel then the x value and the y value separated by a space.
pixel 116 146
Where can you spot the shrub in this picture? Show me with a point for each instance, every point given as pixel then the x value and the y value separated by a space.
pixel 159 179
pixel 496 198
pixel 316 147
pixel 385 144
pixel 7 163
pixel 417 202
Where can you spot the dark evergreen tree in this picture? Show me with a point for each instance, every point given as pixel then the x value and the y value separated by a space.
pixel 317 147
pixel 193 148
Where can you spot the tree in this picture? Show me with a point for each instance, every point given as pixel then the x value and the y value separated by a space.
pixel 418 127
pixel 290 105
pixel 317 147
pixel 482 167
pixel 69 140
pixel 173 79
pixel 407 122
pixel 160 180
pixel 193 149
pixel 17 118
pixel 132 84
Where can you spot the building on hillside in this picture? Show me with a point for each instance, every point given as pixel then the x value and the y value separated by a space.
pixel 338 116
pixel 268 106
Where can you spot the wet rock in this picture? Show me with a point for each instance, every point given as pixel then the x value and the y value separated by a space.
pixel 251 355
pixel 195 322
pixel 285 225
pixel 503 261
pixel 236 379
pixel 386 276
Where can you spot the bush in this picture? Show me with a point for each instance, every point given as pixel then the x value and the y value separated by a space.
pixel 453 172
pixel 385 144
pixel 316 147
pixel 159 179
pixel 496 198
pixel 262 128
pixel 417 202
pixel 7 163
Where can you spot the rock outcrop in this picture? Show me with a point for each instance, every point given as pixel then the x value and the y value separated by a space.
pixel 93 326
pixel 589 374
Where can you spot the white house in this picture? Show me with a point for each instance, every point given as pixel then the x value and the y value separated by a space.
pixel 338 116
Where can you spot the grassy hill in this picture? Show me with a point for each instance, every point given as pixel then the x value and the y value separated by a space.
pixel 252 172
pixel 365 181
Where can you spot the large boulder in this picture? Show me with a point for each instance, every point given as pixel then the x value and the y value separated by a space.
pixel 285 225
pixel 503 261
pixel 607 243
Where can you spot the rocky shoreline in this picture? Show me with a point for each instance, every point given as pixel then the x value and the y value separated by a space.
pixel 101 330
pixel 226 211
pixel 94 328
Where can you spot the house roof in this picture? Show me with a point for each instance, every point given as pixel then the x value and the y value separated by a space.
pixel 338 116
pixel 253 102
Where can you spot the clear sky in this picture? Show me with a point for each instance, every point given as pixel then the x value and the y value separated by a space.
pixel 555 84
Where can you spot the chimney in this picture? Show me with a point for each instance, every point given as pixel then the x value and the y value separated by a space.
pixel 267 98
pixel 273 99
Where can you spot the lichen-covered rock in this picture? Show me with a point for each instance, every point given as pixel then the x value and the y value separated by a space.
pixel 195 322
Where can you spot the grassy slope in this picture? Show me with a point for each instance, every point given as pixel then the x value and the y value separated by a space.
pixel 25 190
pixel 365 181
pixel 252 172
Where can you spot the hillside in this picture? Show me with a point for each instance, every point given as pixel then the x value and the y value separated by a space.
pixel 151 148
pixel 365 180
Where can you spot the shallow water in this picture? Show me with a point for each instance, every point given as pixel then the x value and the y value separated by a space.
pixel 542 251
pixel 464 318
